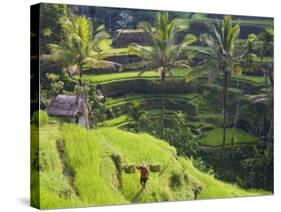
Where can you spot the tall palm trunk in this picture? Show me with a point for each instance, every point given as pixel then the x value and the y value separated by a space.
pixel 80 74
pixel 225 84
pixel 236 117
pixel 265 176
pixel 162 105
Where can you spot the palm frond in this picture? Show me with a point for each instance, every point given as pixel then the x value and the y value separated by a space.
pixel 98 38
pixel 258 98
pixel 182 63
pixel 147 28
pixel 100 28
pixel 140 51
pixel 102 64
pixel 80 46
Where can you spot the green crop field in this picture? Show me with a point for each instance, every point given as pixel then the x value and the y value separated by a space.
pixel 199 17
pixel 214 137
pixel 115 121
pixel 132 75
pixel 154 75
pixel 142 97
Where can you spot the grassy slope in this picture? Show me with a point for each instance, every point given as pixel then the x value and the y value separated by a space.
pixel 94 180
pixel 52 181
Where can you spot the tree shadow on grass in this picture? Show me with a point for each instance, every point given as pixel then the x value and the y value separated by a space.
pixel 137 195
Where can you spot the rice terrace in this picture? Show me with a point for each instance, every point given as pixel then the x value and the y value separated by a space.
pixel 138 106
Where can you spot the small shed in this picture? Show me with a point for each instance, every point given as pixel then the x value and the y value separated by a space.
pixel 72 107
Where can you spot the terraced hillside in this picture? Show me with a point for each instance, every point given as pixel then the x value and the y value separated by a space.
pixel 200 100
pixel 173 92
pixel 122 89
pixel 91 173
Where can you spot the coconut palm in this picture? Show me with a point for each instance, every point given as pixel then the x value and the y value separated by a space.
pixel 165 53
pixel 79 50
pixel 247 63
pixel 123 22
pixel 223 57
pixel 266 49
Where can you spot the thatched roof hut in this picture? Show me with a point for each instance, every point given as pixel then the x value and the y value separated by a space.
pixel 74 108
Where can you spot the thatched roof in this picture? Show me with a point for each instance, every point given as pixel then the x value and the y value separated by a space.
pixel 65 105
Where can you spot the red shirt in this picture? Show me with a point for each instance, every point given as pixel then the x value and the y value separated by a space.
pixel 144 172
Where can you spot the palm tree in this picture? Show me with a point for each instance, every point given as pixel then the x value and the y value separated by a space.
pixel 123 22
pixel 266 49
pixel 164 54
pixel 79 50
pixel 223 57
pixel 247 64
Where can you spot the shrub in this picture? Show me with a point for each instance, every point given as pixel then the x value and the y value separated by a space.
pixel 176 179
pixel 165 196
pixel 197 189
pixel 40 118
pixel 116 158
pixel 181 136
pixel 185 177
pixel 202 166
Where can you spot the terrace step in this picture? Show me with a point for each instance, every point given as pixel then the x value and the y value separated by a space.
pixel 152 84
pixel 181 104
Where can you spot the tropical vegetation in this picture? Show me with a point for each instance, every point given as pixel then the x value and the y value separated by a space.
pixel 176 91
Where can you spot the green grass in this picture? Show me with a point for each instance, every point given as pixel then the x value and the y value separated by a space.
pixel 115 121
pixel 253 22
pixel 82 150
pixel 99 78
pixel 141 97
pixel 213 188
pixel 106 45
pixel 214 118
pixel 52 182
pixel 253 79
pixel 156 112
pixel 154 75
pixel 87 155
pixel 214 137
pixel 198 125
pixel 123 119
